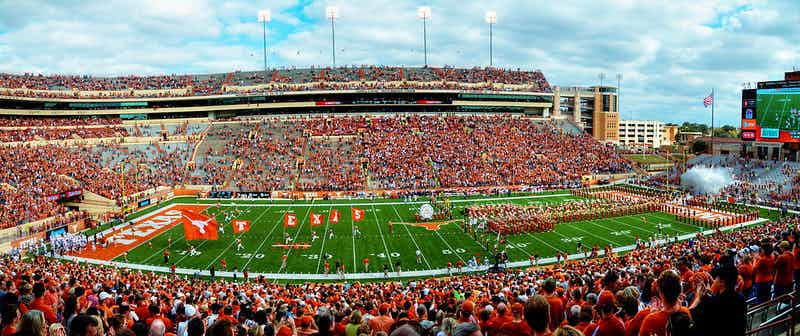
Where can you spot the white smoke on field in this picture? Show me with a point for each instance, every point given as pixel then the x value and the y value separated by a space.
pixel 706 180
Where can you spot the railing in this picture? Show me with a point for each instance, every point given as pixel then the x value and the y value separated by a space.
pixel 773 317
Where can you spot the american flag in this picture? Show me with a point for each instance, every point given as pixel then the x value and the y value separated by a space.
pixel 708 100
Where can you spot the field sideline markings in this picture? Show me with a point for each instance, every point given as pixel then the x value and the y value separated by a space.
pixel 385 248
pixel 324 236
pixel 470 200
pixel 233 241
pixel 258 249
pixel 654 225
pixel 412 237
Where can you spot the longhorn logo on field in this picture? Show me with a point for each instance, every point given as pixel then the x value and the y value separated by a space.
pixel 200 224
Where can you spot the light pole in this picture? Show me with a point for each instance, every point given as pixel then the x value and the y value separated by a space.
pixel 619 92
pixel 332 13
pixel 424 13
pixel 602 76
pixel 491 19
pixel 265 16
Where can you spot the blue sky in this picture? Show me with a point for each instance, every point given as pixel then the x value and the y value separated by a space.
pixel 670 53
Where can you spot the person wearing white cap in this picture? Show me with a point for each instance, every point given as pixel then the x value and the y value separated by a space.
pixel 183 326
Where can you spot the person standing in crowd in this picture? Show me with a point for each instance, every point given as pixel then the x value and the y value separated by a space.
pixel 537 314
pixel 714 309
pixel 669 289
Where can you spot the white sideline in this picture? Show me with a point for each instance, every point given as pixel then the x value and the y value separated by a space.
pixel 377 275
pixel 370 204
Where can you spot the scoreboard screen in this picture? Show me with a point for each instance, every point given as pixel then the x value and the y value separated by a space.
pixel 771 114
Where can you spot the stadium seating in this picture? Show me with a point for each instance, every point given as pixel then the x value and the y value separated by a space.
pixel 365 77
pixel 308 154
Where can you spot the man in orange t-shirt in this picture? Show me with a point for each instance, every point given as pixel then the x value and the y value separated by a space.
pixel 556 305
pixel 764 268
pixel 517 326
pixel 382 322
pixel 499 319
pixel 784 267
pixel 669 288
pixel 39 304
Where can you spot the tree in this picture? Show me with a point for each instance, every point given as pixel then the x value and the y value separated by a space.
pixel 699 146
pixel 726 131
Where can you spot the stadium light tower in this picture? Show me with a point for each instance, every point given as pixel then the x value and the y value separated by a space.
pixel 619 92
pixel 265 16
pixel 332 13
pixel 424 13
pixel 491 19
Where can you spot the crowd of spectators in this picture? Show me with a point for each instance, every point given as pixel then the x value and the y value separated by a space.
pixel 360 77
pixel 481 151
pixel 28 121
pixel 699 285
pixel 331 164
pixel 80 132
pixel 398 152
pixel 29 174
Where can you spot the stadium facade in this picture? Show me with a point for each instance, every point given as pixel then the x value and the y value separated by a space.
pixel 592 109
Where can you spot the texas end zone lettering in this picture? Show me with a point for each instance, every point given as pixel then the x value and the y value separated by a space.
pixel 147 227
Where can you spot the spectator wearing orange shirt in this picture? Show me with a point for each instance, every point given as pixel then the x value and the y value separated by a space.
pixel 499 319
pixel 382 322
pixel 554 302
pixel 39 304
pixel 784 267
pixel 669 288
pixel 746 273
pixel 517 326
pixel 764 269
pixel 608 324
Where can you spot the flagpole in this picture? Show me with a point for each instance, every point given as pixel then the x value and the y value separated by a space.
pixel 713 102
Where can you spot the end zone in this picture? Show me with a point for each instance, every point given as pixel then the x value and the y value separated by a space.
pixel 125 237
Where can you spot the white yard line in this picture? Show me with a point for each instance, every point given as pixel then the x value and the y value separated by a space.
pixel 233 241
pixel 352 228
pixel 576 227
pixel 400 218
pixel 385 248
pixel 324 236
pixel 297 234
pixel 470 200
pixel 258 249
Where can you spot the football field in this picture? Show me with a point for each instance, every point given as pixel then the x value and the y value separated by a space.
pixel 383 244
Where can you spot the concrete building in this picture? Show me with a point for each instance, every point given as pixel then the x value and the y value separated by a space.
pixel 641 133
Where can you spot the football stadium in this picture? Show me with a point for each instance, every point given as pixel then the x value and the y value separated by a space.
pixel 388 200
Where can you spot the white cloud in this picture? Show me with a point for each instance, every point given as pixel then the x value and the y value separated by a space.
pixel 671 53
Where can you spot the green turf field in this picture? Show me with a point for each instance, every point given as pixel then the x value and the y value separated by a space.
pixel 448 244
pixel 647 158
pixel 779 110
